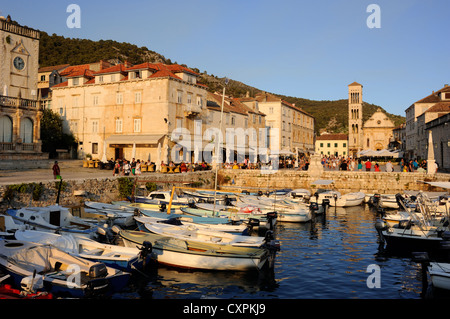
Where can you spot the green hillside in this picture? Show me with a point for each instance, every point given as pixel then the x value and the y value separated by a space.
pixel 54 50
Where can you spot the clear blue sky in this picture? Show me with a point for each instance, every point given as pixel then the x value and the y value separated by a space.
pixel 309 49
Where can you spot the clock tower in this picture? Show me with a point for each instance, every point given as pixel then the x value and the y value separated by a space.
pixel 20 112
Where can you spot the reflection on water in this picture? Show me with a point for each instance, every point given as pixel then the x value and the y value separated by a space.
pixel 328 257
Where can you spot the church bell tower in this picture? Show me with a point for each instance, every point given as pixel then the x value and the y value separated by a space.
pixel 355 123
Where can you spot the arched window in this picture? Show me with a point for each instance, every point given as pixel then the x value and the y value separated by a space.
pixel 6 129
pixel 26 130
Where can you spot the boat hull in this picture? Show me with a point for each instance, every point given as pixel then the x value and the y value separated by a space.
pixel 169 254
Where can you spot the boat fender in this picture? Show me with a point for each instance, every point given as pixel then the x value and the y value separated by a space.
pixel 116 229
pixel 98 270
pixel 380 225
pixel 101 231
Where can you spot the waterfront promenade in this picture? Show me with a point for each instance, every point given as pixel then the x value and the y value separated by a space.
pixel 74 170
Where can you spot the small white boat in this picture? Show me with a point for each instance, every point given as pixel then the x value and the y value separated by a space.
pixel 300 194
pixel 62 274
pixel 161 197
pixel 188 222
pixel 440 274
pixel 337 199
pixel 178 253
pixel 124 258
pixel 287 210
pixel 54 218
pixel 201 235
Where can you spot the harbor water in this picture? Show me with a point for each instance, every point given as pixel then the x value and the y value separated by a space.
pixel 335 256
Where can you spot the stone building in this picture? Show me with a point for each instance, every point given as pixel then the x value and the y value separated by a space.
pixel 20 112
pixel 377 131
pixel 332 144
pixel 243 126
pixel 128 111
pixel 295 126
pixel 440 132
pixel 415 128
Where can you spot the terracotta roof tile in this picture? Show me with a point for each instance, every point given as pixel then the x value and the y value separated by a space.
pixel 112 69
pixel 60 85
pixel 440 107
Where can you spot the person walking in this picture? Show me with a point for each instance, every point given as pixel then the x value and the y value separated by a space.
pixel 368 165
pixel 389 167
pixel 56 171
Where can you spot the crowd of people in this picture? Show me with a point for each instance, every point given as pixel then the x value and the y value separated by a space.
pixel 357 164
pixel 123 167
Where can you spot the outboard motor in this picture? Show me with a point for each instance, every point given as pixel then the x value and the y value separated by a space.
pixel 191 203
pixel 227 200
pixel 271 216
pixel 162 207
pixel 314 207
pixel 137 212
pixel 98 283
pixel 253 222
pixel 271 243
pixel 260 193
pixel 98 270
pixel 145 252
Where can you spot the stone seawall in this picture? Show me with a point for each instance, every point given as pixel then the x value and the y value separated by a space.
pixel 344 181
pixel 76 191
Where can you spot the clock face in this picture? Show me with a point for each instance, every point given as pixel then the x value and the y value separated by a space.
pixel 19 64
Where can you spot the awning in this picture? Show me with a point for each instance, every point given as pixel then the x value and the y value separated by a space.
pixel 125 140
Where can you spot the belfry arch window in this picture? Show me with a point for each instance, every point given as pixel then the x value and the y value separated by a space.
pixel 6 129
pixel 26 130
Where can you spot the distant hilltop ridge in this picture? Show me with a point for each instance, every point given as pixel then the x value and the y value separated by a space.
pixel 331 116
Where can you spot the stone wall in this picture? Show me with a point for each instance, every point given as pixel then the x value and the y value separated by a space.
pixel 344 181
pixel 76 191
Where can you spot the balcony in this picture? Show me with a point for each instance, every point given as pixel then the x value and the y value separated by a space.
pixel 15 102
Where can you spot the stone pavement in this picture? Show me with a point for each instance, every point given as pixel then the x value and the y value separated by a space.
pixel 70 170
